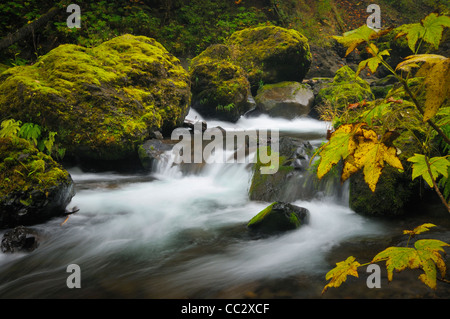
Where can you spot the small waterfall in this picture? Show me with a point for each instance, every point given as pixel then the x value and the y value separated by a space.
pixel 180 231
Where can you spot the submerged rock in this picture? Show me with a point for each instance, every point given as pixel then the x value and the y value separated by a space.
pixel 277 218
pixel 102 101
pixel 286 99
pixel 19 239
pixel 33 187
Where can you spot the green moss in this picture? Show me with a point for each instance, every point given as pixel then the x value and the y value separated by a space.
pixel 271 54
pixel 294 220
pixel 102 101
pixel 217 83
pixel 261 215
pixel 23 168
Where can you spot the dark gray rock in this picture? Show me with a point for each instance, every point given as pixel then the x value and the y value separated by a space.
pixel 277 218
pixel 19 239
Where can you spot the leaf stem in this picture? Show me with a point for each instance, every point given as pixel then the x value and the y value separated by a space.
pixel 436 188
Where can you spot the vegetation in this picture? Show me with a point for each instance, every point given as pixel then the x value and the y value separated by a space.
pixel 368 135
pixel 425 255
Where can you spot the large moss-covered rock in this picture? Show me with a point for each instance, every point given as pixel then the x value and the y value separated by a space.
pixel 225 76
pixel 346 88
pixel 220 89
pixel 395 195
pixel 102 101
pixel 285 99
pixel 271 54
pixel 33 187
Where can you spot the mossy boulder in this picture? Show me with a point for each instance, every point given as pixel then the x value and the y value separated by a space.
pixel 288 182
pixel 102 101
pixel 33 187
pixel 220 89
pixel 225 76
pixel 395 195
pixel 271 54
pixel 285 99
pixel 345 88
pixel 277 218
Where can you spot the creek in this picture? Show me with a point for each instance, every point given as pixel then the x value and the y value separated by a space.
pixel 174 233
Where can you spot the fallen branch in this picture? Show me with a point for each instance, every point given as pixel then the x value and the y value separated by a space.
pixel 28 29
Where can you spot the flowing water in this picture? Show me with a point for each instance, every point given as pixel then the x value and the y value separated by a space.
pixel 172 234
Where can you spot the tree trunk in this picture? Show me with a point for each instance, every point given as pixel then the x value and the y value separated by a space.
pixel 28 29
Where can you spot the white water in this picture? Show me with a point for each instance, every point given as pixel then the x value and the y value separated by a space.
pixel 176 236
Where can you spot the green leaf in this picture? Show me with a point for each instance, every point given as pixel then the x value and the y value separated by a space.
pixel 356 37
pixel 10 128
pixel 438 166
pixel 372 63
pixel 425 255
pixel 398 258
pixel 434 26
pixel 375 113
pixel 335 150
pixel 30 132
pixel 429 29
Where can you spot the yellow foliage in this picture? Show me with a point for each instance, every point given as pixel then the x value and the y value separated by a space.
pixel 360 148
pixel 339 274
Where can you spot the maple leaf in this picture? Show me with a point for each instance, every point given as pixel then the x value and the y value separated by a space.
pixel 437 85
pixel 376 112
pixel 372 63
pixel 425 255
pixel 438 166
pixel 339 274
pixel 413 60
pixel 429 29
pixel 419 229
pixel 352 39
pixel 369 153
pixel 336 149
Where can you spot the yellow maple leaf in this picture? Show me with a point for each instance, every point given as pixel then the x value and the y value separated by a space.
pixel 369 154
pixel 419 229
pixel 425 255
pixel 339 274
pixel 437 84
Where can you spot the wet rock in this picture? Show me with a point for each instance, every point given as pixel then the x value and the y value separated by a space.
pixel 153 150
pixel 289 182
pixel 102 101
pixel 220 88
pixel 286 99
pixel 32 189
pixel 271 54
pixel 277 218
pixel 19 239
pixel 225 76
